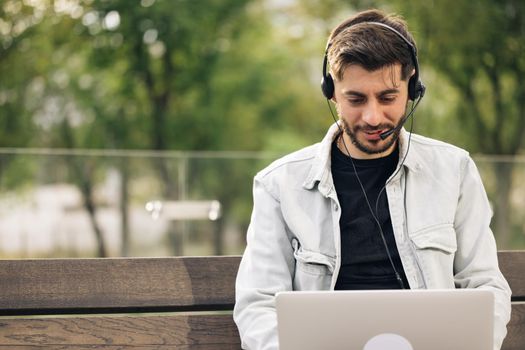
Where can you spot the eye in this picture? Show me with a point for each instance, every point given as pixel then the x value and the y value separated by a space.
pixel 356 100
pixel 387 99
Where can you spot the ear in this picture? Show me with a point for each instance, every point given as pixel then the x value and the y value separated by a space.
pixel 333 99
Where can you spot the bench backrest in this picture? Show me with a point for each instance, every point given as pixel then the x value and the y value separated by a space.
pixel 157 303
pixel 139 303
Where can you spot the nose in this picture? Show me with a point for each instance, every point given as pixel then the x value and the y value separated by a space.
pixel 372 114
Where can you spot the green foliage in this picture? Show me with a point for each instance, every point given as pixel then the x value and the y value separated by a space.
pixel 479 47
pixel 166 75
pixel 237 75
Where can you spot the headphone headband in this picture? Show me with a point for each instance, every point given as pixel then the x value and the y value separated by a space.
pixel 416 89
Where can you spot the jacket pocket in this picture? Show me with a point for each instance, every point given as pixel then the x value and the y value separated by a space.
pixel 313 270
pixel 442 238
pixel 435 248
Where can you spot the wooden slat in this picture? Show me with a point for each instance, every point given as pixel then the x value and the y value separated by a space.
pixel 515 339
pixel 157 284
pixel 204 332
pixel 512 265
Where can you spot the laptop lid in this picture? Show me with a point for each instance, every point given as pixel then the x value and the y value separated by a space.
pixel 455 319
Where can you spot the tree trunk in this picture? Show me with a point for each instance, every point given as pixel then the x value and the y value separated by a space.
pixel 218 230
pixel 124 206
pixel 82 176
pixel 89 204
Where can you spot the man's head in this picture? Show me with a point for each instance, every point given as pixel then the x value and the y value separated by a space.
pixel 371 66
pixel 360 40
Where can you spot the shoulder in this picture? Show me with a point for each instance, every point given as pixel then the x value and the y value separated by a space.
pixel 438 157
pixel 431 150
pixel 289 171
pixel 433 145
pixel 293 161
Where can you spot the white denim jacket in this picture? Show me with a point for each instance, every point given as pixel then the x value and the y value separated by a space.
pixel 293 240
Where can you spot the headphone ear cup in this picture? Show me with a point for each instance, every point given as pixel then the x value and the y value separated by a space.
pixel 412 88
pixel 327 86
pixel 416 89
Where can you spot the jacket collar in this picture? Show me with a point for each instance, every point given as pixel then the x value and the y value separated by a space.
pixel 320 171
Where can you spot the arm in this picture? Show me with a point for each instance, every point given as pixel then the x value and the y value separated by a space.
pixel 266 268
pixel 476 262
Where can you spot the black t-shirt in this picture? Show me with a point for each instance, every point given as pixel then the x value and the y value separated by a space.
pixel 364 261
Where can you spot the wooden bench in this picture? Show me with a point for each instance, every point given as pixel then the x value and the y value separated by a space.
pixel 147 303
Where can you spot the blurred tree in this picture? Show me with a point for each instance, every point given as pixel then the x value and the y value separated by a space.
pixel 203 76
pixel 167 54
pixel 214 75
pixel 17 25
pixel 34 82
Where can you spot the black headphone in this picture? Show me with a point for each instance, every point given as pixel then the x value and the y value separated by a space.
pixel 416 89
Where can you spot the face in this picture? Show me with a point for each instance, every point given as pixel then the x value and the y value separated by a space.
pixel 370 103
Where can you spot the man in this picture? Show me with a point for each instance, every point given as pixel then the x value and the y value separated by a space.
pixel 372 206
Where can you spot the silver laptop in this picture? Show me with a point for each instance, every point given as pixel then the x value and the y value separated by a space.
pixel 457 319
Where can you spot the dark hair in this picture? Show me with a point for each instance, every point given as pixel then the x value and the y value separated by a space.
pixel 354 41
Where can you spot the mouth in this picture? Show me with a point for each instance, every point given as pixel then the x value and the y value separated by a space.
pixel 373 135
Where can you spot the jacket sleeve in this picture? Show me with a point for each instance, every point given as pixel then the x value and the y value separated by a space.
pixel 266 268
pixel 476 261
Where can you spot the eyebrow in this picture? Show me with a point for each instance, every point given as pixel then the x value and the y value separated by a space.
pixel 360 94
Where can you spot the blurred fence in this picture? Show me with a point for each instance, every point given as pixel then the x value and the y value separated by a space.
pixel 63 203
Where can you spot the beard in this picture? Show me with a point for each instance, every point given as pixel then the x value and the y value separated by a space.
pixel 370 146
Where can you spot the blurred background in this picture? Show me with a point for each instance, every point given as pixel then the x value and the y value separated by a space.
pixel 135 127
